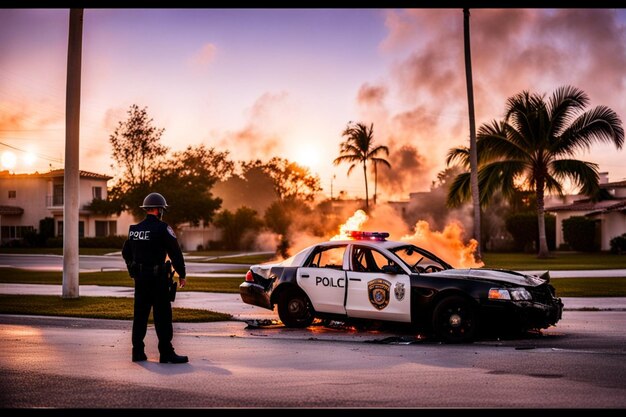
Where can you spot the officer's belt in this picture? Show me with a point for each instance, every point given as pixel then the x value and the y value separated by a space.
pixel 154 269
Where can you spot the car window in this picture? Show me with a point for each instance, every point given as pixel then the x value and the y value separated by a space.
pixel 326 257
pixel 416 261
pixel 366 259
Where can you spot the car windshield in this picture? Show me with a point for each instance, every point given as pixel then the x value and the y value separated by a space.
pixel 419 260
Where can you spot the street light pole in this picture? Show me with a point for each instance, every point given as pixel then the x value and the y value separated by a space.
pixel 71 178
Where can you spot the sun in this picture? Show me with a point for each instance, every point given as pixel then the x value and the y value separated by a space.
pixel 8 159
pixel 307 155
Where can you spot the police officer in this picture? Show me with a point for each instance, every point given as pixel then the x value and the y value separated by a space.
pixel 144 251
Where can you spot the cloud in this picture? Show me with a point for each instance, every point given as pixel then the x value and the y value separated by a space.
pixel 371 94
pixel 267 125
pixel 204 56
pixel 16 116
pixel 419 109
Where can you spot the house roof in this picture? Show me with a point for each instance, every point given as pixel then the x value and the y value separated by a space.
pixel 54 174
pixel 617 184
pixel 592 208
pixel 11 211
pixel 83 174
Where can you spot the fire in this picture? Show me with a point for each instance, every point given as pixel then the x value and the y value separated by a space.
pixel 353 223
pixel 448 245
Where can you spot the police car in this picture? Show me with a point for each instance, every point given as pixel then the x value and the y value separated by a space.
pixel 367 277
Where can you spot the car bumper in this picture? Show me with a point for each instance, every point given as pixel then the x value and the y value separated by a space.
pixel 525 314
pixel 255 294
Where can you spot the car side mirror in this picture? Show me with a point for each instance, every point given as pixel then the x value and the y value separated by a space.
pixel 392 269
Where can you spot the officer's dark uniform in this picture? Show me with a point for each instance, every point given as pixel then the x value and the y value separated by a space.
pixel 144 251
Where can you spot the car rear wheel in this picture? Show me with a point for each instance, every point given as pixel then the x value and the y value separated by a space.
pixel 294 308
pixel 455 320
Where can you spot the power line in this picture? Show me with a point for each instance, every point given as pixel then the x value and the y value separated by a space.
pixel 48 158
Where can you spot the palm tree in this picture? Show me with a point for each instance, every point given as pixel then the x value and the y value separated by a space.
pixel 533 147
pixel 359 148
pixel 472 126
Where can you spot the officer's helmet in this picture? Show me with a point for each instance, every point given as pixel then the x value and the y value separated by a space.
pixel 154 200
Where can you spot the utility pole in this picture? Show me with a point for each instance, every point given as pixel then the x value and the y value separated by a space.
pixel 71 178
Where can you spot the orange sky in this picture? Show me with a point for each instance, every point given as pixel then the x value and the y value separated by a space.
pixel 285 82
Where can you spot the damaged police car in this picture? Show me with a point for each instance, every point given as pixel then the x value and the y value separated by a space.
pixel 367 277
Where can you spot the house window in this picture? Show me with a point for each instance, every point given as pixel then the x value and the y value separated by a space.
pixel 96 193
pixel 12 194
pixel 81 229
pixel 106 228
pixel 15 232
pixel 57 195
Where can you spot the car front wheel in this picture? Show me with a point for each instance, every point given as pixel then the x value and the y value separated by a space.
pixel 294 308
pixel 455 320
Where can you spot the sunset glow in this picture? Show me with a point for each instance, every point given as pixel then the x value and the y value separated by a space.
pixel 263 83
pixel 8 159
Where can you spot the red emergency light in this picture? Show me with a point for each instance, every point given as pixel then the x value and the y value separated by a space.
pixel 358 234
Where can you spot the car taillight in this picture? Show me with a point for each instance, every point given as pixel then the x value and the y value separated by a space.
pixel 249 277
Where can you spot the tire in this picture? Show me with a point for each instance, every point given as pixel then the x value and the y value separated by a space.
pixel 455 320
pixel 294 308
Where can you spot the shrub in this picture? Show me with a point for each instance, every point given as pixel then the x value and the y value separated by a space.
pixel 579 233
pixel 618 244
pixel 524 229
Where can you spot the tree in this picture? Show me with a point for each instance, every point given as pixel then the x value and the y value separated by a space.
pixel 186 180
pixel 533 147
pixel 235 191
pixel 472 126
pixel 236 228
pixel 281 218
pixel 359 148
pixel 136 146
pixel 291 181
pixel 138 153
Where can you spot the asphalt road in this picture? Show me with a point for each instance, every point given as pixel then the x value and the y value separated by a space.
pixel 85 363
pixel 255 362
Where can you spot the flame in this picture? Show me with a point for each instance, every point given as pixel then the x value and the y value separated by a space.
pixel 353 223
pixel 448 245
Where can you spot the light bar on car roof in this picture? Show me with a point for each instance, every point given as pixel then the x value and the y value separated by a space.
pixel 357 234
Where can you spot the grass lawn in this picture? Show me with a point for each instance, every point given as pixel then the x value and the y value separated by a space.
pixel 116 279
pixel 557 261
pixel 122 308
pixel 116 308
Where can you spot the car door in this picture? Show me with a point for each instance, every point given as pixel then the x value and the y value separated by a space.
pixel 323 279
pixel 375 294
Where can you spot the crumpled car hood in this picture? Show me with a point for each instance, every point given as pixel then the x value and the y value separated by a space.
pixel 498 276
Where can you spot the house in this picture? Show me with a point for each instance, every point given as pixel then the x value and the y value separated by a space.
pixel 609 214
pixel 25 199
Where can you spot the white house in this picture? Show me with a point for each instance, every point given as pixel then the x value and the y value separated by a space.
pixel 25 199
pixel 610 214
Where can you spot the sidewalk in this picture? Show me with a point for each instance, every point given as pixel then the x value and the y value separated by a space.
pixel 232 304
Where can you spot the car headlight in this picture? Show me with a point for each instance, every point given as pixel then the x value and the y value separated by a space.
pixel 517 294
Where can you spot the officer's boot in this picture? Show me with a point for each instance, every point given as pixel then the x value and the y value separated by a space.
pixel 139 355
pixel 172 357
